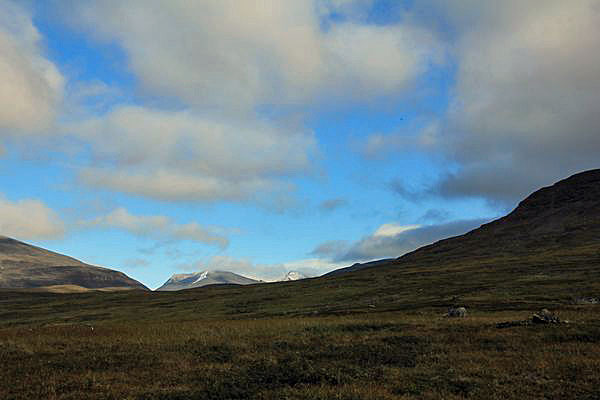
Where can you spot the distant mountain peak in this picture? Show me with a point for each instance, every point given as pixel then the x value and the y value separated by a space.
pixel 294 276
pixel 204 278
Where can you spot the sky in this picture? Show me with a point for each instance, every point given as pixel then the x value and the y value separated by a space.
pixel 260 137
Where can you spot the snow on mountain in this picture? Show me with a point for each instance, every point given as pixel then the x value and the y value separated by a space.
pixel 204 278
pixel 294 276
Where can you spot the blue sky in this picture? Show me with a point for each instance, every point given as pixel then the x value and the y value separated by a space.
pixel 260 137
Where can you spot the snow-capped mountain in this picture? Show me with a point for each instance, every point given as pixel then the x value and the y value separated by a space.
pixel 203 278
pixel 294 276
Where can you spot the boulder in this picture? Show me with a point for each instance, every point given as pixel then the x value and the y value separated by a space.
pixel 542 317
pixel 586 300
pixel 545 317
pixel 457 312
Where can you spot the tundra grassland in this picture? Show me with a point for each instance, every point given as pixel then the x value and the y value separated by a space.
pixel 378 333
pixel 363 356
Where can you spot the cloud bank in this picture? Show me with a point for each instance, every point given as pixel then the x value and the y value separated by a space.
pixel 527 98
pixel 392 240
pixel 235 56
pixel 524 106
pixel 181 155
pixel 217 65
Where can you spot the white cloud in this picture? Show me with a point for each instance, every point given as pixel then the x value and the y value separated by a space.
pixel 393 229
pixel 367 61
pixel 236 55
pixel 158 227
pixel 241 148
pixel 32 86
pixel 218 64
pixel 181 155
pixel 391 241
pixel 29 219
pixel 175 186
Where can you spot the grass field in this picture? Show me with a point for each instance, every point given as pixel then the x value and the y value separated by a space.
pixel 363 356
pixel 374 334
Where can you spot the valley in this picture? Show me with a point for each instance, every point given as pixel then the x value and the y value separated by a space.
pixel 378 332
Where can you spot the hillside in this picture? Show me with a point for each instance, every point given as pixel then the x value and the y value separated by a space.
pixel 555 219
pixel 25 266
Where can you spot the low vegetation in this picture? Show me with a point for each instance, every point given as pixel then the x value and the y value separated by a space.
pixel 198 345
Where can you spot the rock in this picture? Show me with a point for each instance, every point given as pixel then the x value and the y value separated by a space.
pixel 545 317
pixel 542 317
pixel 586 300
pixel 457 312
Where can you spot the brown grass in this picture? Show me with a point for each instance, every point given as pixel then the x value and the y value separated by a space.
pixel 375 334
pixel 367 356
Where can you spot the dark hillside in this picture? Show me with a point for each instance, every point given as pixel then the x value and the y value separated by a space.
pixel 556 219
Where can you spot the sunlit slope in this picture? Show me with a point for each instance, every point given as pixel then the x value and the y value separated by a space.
pixel 26 266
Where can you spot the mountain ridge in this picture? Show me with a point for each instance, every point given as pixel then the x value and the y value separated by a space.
pixel 25 266
pixel 551 217
pixel 204 278
pixel 293 276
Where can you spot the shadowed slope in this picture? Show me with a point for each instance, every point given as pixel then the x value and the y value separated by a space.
pixel 560 217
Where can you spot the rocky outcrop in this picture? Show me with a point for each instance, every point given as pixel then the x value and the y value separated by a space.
pixel 586 300
pixel 455 312
pixel 545 317
pixel 541 317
